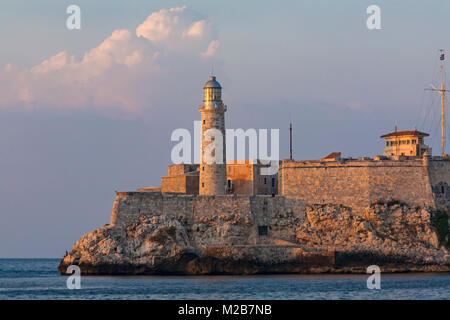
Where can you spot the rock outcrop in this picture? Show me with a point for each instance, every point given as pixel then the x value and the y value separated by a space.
pixel 300 239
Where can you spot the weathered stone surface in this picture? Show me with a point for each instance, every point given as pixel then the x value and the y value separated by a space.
pixel 359 183
pixel 156 234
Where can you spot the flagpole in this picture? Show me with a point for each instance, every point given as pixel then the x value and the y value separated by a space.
pixel 441 91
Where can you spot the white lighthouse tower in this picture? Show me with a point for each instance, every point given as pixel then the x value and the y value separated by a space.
pixel 213 171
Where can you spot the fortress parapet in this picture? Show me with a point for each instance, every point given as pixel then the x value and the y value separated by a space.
pixel 359 183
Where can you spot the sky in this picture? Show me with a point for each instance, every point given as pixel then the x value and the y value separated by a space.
pixel 85 113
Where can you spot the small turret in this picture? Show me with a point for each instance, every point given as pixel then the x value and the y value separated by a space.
pixel 426 159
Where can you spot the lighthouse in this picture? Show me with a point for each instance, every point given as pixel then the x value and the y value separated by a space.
pixel 213 170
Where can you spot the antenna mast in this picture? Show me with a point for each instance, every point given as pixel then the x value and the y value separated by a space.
pixel 290 140
pixel 441 91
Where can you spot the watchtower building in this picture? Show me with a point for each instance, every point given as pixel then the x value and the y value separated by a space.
pixel 213 171
pixel 405 143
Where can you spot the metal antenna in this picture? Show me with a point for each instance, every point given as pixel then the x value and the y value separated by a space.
pixel 442 92
pixel 290 137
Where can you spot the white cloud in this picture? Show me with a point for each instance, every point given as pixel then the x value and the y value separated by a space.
pixel 197 29
pixel 177 29
pixel 123 72
pixel 212 48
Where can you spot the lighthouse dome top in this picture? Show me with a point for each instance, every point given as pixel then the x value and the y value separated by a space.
pixel 212 83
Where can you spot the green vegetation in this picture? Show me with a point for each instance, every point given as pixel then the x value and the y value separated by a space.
pixel 439 219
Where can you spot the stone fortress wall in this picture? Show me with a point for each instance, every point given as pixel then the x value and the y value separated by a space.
pixel 181 179
pixel 360 183
pixel 438 171
pixel 152 232
pixel 253 211
pixel 357 184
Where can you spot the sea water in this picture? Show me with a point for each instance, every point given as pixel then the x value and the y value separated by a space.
pixel 39 279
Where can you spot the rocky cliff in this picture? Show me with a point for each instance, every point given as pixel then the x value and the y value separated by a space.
pixel 231 239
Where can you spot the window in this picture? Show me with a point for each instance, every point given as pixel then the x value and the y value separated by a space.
pixel 442 189
pixel 262 230
pixel 414 142
pixel 265 180
pixel 203 184
pixel 273 182
pixel 212 94
pixel 407 142
pixel 387 143
pixel 203 168
pixel 203 121
pixel 229 183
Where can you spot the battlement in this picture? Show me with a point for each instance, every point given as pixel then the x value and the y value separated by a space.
pixel 360 162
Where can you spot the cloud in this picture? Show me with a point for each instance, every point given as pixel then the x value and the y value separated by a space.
pixel 212 48
pixel 123 73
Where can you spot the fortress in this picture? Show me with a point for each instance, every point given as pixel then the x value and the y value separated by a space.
pixel 334 214
pixel 406 171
